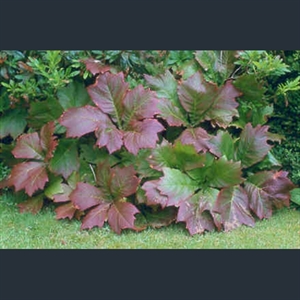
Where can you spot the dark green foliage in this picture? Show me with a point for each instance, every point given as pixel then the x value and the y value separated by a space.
pixel 286 121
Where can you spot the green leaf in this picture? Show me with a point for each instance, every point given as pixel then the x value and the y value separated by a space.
pixel 7 156
pixel 176 185
pixel 73 179
pixel 224 173
pixel 219 64
pixel 13 123
pixel 177 156
pixel 222 145
pixel 42 112
pixel 73 95
pixel 140 163
pixel 200 174
pixel 269 162
pixel 295 196
pixel 165 86
pixel 54 188
pixel 95 155
pixel 260 115
pixel 169 105
pixel 4 99
pixel 252 91
pixel 207 59
pixel 65 159
pixel 255 115
pixel 64 196
pixel 171 113
pixel 189 68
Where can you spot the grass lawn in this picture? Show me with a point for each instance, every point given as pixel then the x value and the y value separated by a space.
pixel 43 231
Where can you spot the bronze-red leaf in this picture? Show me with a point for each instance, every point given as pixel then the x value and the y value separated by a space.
pixel 96 216
pixel 86 196
pixel 30 176
pixel 121 216
pixel 66 210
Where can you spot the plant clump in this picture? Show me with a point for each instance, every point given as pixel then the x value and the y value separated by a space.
pixel 187 142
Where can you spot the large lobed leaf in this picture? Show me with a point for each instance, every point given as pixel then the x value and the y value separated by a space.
pixel 221 62
pixel 121 216
pixel 139 104
pixel 217 173
pixel 34 146
pixel 122 116
pixel 30 176
pixel 42 112
pixel 13 123
pixel 86 196
pixel 177 156
pixel 48 140
pixel 165 86
pixel 253 146
pixel 197 97
pixel 222 145
pixel 107 202
pixel 95 66
pixel 82 120
pixel 108 93
pixel 142 134
pixel 65 159
pixel 73 95
pixel 198 137
pixel 96 216
pixel 123 182
pixel 206 101
pixel 224 173
pixel 176 186
pixel 197 211
pixel 233 206
pixel 169 105
pixel 28 146
pixel 266 190
pixel 66 210
pixel 153 195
